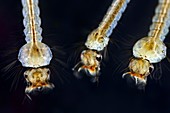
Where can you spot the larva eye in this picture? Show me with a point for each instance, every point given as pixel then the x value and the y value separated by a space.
pixel 26 76
pixel 48 72
pixel 99 58
pixel 29 83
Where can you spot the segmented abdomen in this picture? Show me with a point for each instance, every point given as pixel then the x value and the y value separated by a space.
pixel 161 20
pixel 31 20
pixel 112 16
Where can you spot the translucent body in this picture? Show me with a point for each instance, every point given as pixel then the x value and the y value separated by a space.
pixel 34 53
pixel 38 80
pixel 99 38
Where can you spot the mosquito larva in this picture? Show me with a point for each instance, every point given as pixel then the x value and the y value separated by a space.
pixel 98 39
pixel 34 54
pixel 150 49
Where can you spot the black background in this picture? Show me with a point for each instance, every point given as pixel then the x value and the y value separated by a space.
pixel 67 23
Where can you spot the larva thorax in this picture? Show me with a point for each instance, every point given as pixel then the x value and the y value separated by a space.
pixel 149 48
pixel 35 55
pixel 96 40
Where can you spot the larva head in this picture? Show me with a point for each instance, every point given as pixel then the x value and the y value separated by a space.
pixel 90 64
pixel 139 70
pixel 149 48
pixel 35 55
pixel 96 40
pixel 37 80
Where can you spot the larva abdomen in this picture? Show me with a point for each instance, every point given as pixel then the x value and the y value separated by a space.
pixel 160 22
pixel 112 16
pixel 31 20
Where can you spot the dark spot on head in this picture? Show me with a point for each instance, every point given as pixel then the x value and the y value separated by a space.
pixel 29 83
pixel 26 76
pixel 48 72
pixel 99 58
pixel 96 34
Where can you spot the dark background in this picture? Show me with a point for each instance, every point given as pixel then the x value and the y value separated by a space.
pixel 67 23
